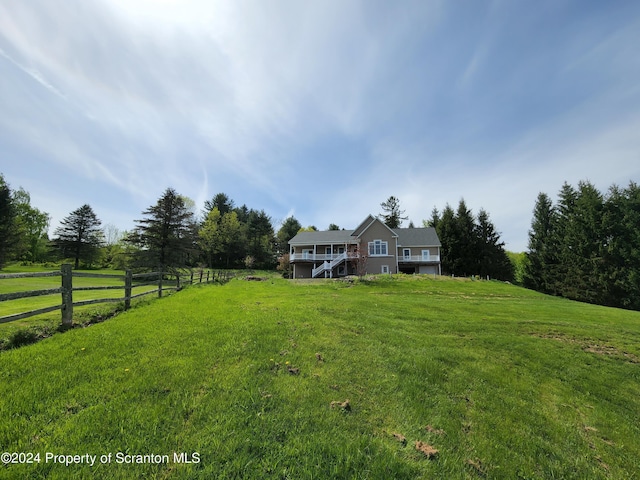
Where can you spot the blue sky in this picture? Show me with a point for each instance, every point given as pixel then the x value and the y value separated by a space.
pixel 318 109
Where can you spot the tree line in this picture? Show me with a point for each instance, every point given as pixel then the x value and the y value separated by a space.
pixel 471 245
pixel 169 234
pixel 23 228
pixel 586 245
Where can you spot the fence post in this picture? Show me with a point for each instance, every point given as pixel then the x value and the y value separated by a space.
pixel 191 278
pixel 128 280
pixel 67 294
pixel 160 285
pixel 207 276
pixel 201 272
pixel 177 281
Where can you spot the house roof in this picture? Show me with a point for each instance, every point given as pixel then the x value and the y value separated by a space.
pixel 407 237
pixel 326 237
pixel 370 220
pixel 417 237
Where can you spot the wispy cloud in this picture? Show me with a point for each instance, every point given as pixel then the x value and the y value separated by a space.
pixel 323 109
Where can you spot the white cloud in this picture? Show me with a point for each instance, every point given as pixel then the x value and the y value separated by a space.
pixel 257 99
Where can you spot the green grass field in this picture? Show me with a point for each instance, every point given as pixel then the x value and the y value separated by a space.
pixel 46 323
pixel 241 378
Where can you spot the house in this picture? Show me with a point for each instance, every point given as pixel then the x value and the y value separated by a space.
pixel 371 248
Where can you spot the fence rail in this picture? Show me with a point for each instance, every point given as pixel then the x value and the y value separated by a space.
pixel 66 289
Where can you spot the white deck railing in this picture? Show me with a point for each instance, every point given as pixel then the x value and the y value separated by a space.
pixel 339 257
pixel 318 257
pixel 418 258
pixel 329 266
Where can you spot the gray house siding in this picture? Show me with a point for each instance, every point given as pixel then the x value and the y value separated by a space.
pixel 412 250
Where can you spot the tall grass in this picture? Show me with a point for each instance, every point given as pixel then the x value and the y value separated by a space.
pixel 251 376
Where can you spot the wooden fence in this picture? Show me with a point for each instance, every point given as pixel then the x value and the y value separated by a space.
pixel 66 288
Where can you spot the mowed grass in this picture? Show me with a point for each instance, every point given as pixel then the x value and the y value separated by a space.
pixel 503 382
pixel 52 319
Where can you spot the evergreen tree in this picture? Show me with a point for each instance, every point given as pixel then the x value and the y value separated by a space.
pixel 8 215
pixel 79 236
pixel 446 230
pixel 493 261
pixel 221 201
pixel 434 220
pixel 392 215
pixel 621 248
pixel 260 239
pixel 243 213
pixel 289 228
pixel 565 267
pixel 584 236
pixel 465 245
pixel 542 255
pixel 587 248
pixel 166 235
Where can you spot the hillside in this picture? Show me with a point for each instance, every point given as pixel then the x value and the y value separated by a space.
pixel 275 379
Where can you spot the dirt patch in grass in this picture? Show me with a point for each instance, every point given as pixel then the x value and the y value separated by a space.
pixel 400 438
pixel 590 346
pixel 477 465
pixel 426 449
pixel 436 431
pixel 343 406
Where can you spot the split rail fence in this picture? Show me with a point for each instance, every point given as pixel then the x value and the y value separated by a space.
pixel 66 288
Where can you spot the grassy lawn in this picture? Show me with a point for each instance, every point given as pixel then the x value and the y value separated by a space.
pixel 50 321
pixel 278 379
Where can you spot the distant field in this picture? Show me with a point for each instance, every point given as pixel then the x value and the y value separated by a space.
pixel 278 379
pixel 42 283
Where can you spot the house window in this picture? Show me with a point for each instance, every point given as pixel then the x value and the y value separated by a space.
pixel 385 268
pixel 327 250
pixel 377 248
pixel 425 255
pixel 407 253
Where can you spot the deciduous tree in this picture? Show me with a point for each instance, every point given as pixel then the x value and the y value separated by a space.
pixel 33 225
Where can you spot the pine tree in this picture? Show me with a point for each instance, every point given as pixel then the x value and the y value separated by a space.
pixel 446 233
pixel 621 249
pixel 8 215
pixel 79 236
pixel 587 248
pixel 434 220
pixel 465 243
pixel 542 255
pixel 566 266
pixel 493 261
pixel 221 201
pixel 585 235
pixel 166 236
pixel 289 228
pixel 392 215
pixel 260 239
